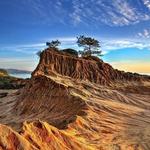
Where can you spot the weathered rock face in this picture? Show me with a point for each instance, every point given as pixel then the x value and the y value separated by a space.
pixel 11 140
pixel 47 99
pixel 73 103
pixel 94 70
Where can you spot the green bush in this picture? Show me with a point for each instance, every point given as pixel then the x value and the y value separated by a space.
pixel 71 51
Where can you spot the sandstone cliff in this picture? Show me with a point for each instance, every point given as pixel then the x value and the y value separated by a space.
pixel 89 68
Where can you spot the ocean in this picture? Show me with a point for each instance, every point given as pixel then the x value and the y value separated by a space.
pixel 25 75
pixel 20 75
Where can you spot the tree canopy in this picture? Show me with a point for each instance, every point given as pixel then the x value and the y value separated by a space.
pixel 91 45
pixel 71 51
pixel 53 44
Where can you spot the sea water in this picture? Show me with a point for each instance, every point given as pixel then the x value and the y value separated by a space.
pixel 21 75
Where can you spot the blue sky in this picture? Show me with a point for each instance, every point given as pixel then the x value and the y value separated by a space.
pixel 122 27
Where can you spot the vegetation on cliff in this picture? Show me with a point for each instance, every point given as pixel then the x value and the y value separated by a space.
pixel 90 46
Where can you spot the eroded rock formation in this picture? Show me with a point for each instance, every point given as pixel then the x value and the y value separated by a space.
pixel 73 103
pixel 88 68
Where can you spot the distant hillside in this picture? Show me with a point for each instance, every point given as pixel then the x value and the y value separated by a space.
pixel 17 71
pixel 3 72
pixel 9 82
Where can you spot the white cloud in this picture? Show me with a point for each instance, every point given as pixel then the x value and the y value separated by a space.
pixel 113 13
pixel 144 34
pixel 110 45
pixel 147 3
pixel 29 62
pixel 107 45
pixel 75 15
pixel 45 12
pixel 19 63
pixel 91 12
pixel 66 39
pixel 33 48
pixel 25 48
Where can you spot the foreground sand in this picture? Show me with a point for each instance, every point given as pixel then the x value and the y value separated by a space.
pixel 113 120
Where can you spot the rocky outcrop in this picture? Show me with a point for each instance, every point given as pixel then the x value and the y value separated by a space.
pixel 50 89
pixel 8 82
pixel 89 68
pixel 74 103
pixel 41 136
pixel 11 140
pixel 51 99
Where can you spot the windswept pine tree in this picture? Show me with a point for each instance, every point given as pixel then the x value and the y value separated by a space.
pixel 90 45
pixel 53 44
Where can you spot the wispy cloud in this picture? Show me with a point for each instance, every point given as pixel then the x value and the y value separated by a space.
pixel 113 13
pixel 111 45
pixel 34 47
pixel 90 12
pixel 19 63
pixel 147 3
pixel 25 48
pixel 107 45
pixel 46 11
pixel 30 61
pixel 144 34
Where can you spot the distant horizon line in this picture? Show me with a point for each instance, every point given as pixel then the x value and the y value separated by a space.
pixel 141 73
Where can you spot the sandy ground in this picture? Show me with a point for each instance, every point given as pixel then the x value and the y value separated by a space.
pixel 116 118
